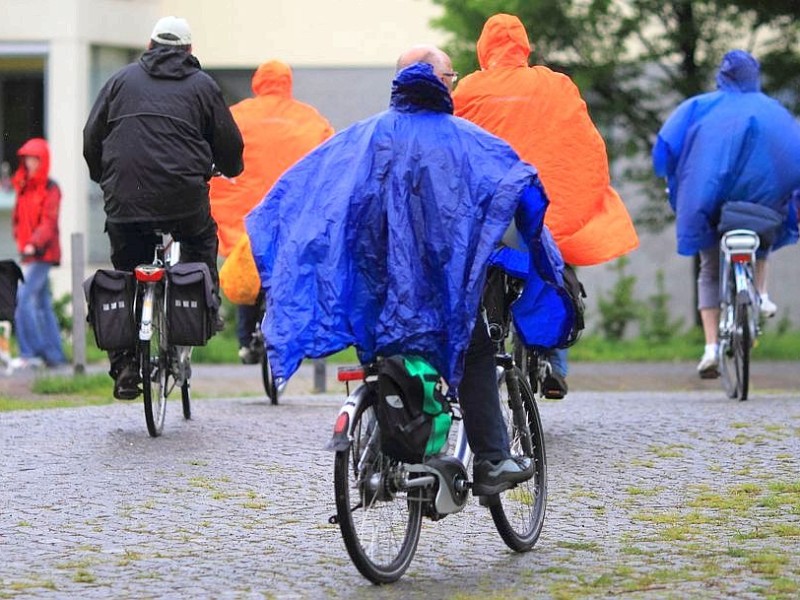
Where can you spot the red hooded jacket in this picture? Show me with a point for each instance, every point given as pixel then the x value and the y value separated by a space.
pixel 35 218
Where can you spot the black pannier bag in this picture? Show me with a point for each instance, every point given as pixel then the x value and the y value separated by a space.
pixel 191 305
pixel 413 414
pixel 110 296
pixel 577 294
pixel 10 276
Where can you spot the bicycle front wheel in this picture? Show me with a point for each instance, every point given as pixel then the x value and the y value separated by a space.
pixel 380 524
pixel 153 359
pixel 519 513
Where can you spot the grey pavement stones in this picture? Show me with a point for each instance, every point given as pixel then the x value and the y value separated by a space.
pixel 671 494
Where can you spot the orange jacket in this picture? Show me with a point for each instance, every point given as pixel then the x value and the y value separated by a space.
pixel 541 114
pixel 277 132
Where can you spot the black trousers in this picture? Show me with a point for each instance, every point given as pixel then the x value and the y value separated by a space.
pixel 133 244
pixel 480 399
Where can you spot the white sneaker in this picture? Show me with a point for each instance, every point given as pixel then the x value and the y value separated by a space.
pixel 768 307
pixel 708 367
pixel 20 362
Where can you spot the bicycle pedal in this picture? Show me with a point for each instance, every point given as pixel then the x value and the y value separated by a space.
pixel 489 501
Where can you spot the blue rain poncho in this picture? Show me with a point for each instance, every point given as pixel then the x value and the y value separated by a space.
pixel 732 145
pixel 380 238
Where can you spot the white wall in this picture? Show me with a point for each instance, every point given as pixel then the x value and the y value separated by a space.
pixel 305 32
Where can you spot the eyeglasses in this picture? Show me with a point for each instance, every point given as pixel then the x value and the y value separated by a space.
pixel 453 76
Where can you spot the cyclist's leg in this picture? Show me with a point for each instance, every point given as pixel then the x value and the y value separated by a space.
pixel 767 306
pixel 708 282
pixel 247 318
pixel 480 400
pixel 199 243
pixel 131 245
pixel 555 384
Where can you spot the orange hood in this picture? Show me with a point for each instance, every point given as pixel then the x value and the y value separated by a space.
pixel 273 77
pixel 277 131
pixel 542 115
pixel 503 43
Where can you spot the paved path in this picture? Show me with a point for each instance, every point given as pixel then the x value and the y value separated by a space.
pixel 651 494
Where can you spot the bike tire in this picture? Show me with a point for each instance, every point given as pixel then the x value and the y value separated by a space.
pixel 380 533
pixel 741 347
pixel 518 513
pixel 153 363
pixel 268 380
pixel 186 401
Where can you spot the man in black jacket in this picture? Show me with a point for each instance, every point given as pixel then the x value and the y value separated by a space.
pixel 157 131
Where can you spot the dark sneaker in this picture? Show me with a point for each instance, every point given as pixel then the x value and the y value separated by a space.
pixel 494 477
pixel 126 385
pixel 248 356
pixel 554 386
pixel 219 323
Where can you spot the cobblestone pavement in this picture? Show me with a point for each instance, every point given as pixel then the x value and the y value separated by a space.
pixel 651 494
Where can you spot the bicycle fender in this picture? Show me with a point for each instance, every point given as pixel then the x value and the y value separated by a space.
pixel 343 428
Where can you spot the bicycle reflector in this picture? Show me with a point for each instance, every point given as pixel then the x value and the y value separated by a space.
pixel 342 422
pixel 148 273
pixel 741 257
pixel 350 373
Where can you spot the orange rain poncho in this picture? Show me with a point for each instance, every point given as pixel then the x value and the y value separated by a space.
pixel 541 114
pixel 277 130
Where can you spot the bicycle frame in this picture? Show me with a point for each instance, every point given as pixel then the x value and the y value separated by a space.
pixel 738 251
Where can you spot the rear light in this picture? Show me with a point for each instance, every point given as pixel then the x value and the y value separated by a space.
pixel 350 373
pixel 148 273
pixel 342 422
pixel 741 257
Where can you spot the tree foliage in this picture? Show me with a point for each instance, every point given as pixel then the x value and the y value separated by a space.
pixel 635 60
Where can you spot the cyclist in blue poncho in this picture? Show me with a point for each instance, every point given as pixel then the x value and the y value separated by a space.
pixel 380 238
pixel 731 159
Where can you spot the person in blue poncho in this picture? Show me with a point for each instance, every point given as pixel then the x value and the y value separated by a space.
pixel 731 159
pixel 381 237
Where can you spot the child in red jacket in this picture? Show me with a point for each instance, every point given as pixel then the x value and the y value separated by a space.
pixel 35 223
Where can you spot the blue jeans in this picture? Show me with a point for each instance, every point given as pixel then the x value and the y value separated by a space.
pixel 35 320
pixel 558 360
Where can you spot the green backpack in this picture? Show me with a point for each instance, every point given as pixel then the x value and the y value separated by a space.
pixel 413 414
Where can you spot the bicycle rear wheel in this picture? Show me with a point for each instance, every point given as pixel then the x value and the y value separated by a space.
pixel 269 381
pixel 518 513
pixel 741 345
pixel 380 524
pixel 153 361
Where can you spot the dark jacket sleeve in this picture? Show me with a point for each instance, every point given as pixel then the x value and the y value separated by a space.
pixel 224 137
pixel 94 132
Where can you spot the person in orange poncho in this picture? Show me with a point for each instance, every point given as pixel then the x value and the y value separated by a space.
pixel 278 131
pixel 541 114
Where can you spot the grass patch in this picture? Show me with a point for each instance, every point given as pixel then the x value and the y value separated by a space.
pixel 684 347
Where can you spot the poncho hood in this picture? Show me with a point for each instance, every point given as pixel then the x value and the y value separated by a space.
pixel 739 72
pixel 417 88
pixel 503 43
pixel 273 77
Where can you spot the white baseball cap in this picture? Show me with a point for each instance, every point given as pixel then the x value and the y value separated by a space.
pixel 172 31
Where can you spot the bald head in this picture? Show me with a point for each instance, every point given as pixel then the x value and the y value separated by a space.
pixel 437 58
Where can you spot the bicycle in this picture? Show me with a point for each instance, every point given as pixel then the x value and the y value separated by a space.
pixel 381 524
pixel 162 366
pixel 258 349
pixel 739 309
